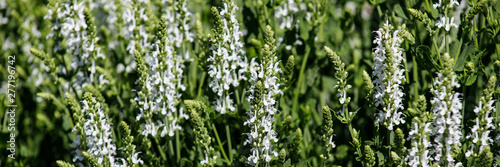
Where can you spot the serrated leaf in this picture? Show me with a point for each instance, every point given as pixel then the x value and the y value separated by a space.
pixel 471 79
pixel 425 58
pixel 287 163
pixel 399 11
pixel 186 162
pixel 460 62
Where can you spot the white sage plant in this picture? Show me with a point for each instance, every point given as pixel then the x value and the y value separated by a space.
pixel 265 79
pixel 227 62
pixel 483 124
pixel 419 135
pixel 161 81
pixel 388 75
pixel 447 107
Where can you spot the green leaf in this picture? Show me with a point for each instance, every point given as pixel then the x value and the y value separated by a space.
pixel 186 162
pixel 304 30
pixel 460 61
pixel 399 11
pixel 425 58
pixel 471 79
pixel 287 163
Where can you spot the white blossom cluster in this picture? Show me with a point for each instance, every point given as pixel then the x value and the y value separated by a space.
pixel 444 20
pixel 178 18
pixel 71 23
pixel 481 140
pixel 227 63
pixel 160 109
pixel 418 154
pixel 388 75
pixel 262 136
pixel 97 137
pixel 98 134
pixel 446 106
pixel 133 17
pixel 285 13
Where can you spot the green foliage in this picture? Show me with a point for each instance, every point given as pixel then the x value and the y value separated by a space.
pixel 326 113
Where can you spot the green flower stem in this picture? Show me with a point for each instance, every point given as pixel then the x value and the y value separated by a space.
pixel 218 141
pixel 160 149
pixel 177 146
pixel 120 100
pixel 379 10
pixel 237 94
pixel 437 51
pixel 415 78
pixel 464 89
pixel 446 32
pixel 407 75
pixel 171 148
pixel 300 81
pixel 228 135
pixel 203 75
pixel 66 111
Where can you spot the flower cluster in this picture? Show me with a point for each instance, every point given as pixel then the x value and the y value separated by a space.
pixel 388 75
pixel 418 154
pixel 203 140
pixel 444 20
pixel 160 96
pixel 227 63
pixel 483 123
pixel 93 133
pixel 178 18
pixel 134 14
pixel 285 13
pixel 446 106
pixel 263 93
pixel 94 138
pixel 74 22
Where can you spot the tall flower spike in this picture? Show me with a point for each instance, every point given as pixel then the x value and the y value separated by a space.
pixel 341 76
pixel 178 17
pixel 263 93
pixel 227 63
pixel 480 132
pixel 159 102
pixel 134 30
pixel 444 21
pixel 418 155
pixel 327 127
pixel 447 106
pixel 93 134
pixel 200 131
pixel 388 75
pixel 74 24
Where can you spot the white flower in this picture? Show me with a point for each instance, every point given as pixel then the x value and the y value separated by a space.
pixel 444 21
pixel 420 145
pixel 447 107
pixel 97 129
pixel 390 91
pixel 227 63
pixel 262 137
pixel 285 13
pixel 164 85
pixel 135 159
pixel 482 128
